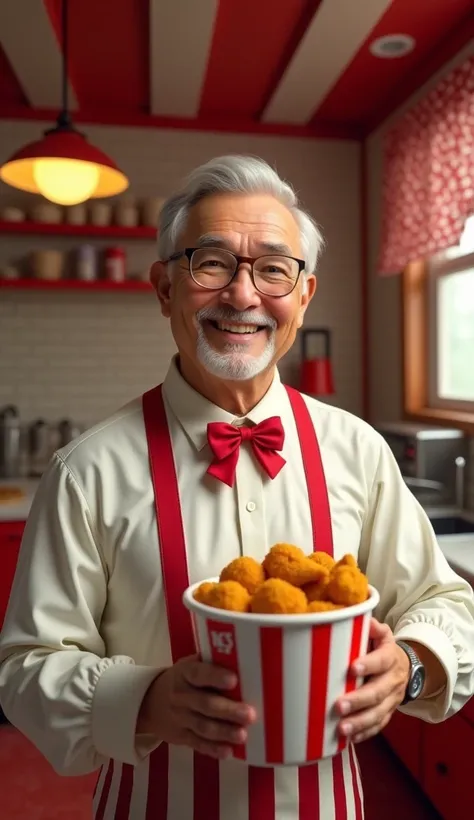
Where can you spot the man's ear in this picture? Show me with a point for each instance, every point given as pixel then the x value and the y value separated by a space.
pixel 162 284
pixel 308 292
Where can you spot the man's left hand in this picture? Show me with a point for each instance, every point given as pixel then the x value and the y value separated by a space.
pixel 367 710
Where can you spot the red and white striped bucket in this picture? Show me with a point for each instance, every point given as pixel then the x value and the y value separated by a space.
pixel 292 669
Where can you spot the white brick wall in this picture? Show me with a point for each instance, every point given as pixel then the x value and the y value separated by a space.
pixel 84 354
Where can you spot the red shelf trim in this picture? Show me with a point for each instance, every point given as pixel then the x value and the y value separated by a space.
pixel 62 229
pixel 75 284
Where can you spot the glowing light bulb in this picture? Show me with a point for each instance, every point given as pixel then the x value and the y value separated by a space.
pixel 66 181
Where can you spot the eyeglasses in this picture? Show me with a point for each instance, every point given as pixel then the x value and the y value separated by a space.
pixel 214 269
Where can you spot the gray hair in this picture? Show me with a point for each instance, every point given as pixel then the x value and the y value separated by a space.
pixel 235 174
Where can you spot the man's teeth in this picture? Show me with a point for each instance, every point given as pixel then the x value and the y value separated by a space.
pixel 237 328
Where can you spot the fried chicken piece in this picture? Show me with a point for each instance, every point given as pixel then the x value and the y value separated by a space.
pixel 323 558
pixel 289 563
pixel 226 595
pixel 347 560
pixel 247 571
pixel 202 592
pixel 277 597
pixel 323 606
pixel 318 590
pixel 347 586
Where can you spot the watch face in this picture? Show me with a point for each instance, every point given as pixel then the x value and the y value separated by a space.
pixel 416 683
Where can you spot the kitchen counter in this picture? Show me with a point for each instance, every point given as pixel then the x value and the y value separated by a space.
pixel 459 553
pixel 18 510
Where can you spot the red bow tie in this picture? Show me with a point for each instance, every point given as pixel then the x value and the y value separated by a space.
pixel 225 439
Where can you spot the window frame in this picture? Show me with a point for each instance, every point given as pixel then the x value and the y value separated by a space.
pixel 440 266
pixel 415 294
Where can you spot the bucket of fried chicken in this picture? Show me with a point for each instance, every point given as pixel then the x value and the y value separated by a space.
pixel 290 628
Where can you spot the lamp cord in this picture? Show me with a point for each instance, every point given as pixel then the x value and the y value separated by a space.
pixel 65 33
pixel 64 119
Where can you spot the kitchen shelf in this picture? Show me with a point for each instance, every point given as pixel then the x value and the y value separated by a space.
pixel 75 284
pixel 63 229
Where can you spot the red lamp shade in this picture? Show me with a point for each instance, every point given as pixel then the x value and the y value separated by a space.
pixel 64 167
pixel 316 377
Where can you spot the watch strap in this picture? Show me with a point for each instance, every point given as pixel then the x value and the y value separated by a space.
pixel 415 667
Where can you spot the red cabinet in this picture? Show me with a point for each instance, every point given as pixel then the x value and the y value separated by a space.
pixel 10 539
pixel 468 712
pixel 404 735
pixel 447 767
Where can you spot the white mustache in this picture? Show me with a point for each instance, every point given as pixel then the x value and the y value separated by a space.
pixel 244 317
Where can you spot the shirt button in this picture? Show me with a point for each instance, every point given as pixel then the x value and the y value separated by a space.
pixel 251 506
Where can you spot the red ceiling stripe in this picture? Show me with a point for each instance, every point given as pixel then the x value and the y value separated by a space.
pixel 11 92
pixel 109 52
pixel 252 45
pixel 368 82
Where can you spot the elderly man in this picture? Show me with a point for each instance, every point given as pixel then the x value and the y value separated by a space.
pixel 98 664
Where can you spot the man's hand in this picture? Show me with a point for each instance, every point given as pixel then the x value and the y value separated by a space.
pixel 187 705
pixel 367 710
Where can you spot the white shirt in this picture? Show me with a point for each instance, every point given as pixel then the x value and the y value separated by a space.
pixel 86 626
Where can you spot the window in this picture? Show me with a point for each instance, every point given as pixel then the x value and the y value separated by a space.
pixel 451 325
pixel 438 319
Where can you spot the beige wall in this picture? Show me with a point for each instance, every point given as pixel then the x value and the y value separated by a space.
pixel 83 354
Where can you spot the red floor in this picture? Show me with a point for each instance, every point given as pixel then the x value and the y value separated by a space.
pixel 30 790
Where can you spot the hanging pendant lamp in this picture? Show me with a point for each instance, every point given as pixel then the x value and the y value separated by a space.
pixel 63 166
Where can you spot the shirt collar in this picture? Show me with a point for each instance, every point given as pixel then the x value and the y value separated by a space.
pixel 194 411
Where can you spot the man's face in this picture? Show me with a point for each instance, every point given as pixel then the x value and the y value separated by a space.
pixel 247 226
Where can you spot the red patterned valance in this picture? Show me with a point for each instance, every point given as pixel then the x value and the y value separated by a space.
pixel 428 179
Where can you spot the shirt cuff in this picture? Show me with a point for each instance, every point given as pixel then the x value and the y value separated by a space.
pixel 436 707
pixel 118 695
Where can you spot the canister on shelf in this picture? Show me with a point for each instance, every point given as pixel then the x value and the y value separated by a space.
pixel 126 213
pixel 47 264
pixel 76 215
pixel 151 209
pixel 86 263
pixel 115 264
pixel 101 213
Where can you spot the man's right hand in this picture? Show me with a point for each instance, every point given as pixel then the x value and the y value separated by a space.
pixel 186 705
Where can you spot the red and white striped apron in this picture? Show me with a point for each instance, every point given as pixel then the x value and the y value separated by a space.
pixel 144 792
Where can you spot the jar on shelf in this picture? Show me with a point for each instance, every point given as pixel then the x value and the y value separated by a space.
pixel 47 264
pixel 76 215
pixel 126 213
pixel 115 264
pixel 101 214
pixel 12 214
pixel 151 209
pixel 47 212
pixel 86 263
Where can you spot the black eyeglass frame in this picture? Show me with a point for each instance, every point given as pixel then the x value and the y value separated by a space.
pixel 239 260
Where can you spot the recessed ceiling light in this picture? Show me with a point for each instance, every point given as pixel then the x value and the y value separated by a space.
pixel 392 45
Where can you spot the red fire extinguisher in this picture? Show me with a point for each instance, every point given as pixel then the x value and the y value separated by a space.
pixel 316 377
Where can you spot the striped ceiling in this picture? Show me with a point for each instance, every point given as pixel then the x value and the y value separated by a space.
pixel 271 66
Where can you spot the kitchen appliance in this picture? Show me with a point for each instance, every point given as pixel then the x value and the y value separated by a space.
pixel 316 377
pixel 431 460
pixel 41 446
pixel 10 442
pixel 67 431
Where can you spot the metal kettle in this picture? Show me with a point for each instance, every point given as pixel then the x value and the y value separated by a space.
pixel 67 432
pixel 10 437
pixel 40 446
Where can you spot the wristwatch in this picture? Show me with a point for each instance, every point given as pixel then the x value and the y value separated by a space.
pixel 416 680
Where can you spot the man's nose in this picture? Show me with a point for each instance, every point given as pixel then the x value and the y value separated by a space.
pixel 241 292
